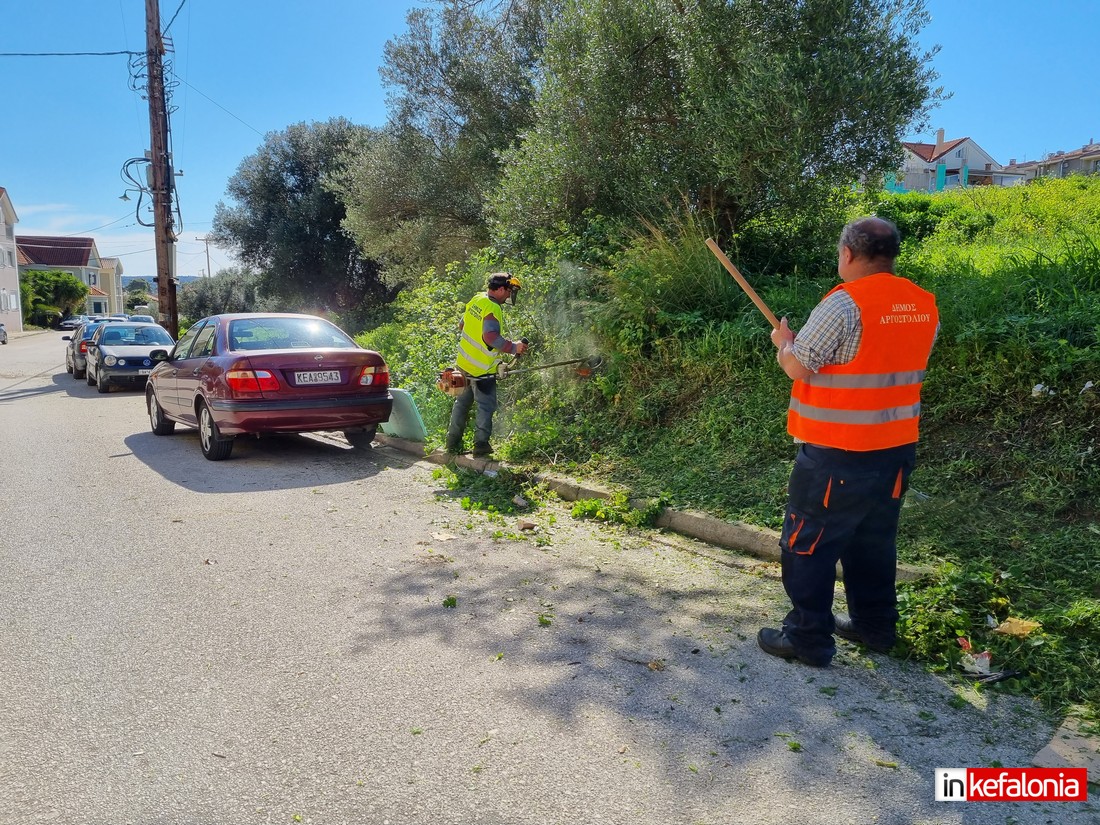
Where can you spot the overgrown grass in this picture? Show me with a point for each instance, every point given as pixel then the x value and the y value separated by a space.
pixel 689 405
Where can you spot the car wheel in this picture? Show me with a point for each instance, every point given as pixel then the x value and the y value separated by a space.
pixel 214 447
pixel 101 383
pixel 361 439
pixel 159 424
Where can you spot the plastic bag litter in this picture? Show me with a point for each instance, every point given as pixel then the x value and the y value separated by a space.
pixel 977 663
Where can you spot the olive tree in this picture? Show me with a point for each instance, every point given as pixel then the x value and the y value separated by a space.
pixel 286 224
pixel 740 107
pixel 461 90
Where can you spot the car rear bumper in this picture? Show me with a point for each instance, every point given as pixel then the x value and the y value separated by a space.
pixel 235 417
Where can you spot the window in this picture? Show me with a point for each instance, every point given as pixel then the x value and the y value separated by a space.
pixel 183 346
pixel 204 342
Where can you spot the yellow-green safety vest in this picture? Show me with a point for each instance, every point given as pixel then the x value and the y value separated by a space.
pixel 474 356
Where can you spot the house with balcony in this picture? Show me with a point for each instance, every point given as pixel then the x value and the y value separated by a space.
pixel 948 164
pixel 77 256
pixel 1061 164
pixel 11 310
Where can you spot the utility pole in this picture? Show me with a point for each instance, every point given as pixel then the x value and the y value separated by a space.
pixel 206 241
pixel 161 168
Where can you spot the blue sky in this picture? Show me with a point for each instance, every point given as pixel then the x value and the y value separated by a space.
pixel 1020 72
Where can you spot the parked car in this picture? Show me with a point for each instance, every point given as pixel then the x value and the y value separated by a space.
pixel 3 335
pixel 120 353
pixel 76 350
pixel 144 319
pixel 73 321
pixel 258 373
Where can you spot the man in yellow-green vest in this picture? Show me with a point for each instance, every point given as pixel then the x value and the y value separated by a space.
pixel 479 349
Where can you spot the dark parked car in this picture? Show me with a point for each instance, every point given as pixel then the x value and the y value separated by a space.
pixel 257 373
pixel 73 321
pixel 120 353
pixel 76 350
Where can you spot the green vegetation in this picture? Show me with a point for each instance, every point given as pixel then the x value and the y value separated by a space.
pixel 47 296
pixel 688 406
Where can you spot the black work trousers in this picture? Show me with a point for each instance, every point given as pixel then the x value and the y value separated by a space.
pixel 843 505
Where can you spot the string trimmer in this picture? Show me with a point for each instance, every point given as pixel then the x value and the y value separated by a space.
pixel 591 363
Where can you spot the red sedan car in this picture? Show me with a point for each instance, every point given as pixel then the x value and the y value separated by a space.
pixel 257 373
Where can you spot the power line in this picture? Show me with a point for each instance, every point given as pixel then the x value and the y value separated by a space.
pixel 189 86
pixel 65 54
pixel 173 20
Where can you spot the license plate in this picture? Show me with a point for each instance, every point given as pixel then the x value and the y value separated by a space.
pixel 317 377
pixel 145 372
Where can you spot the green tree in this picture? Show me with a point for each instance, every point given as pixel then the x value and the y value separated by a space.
pixel 742 107
pixel 47 295
pixel 461 81
pixel 286 225
pixel 231 290
pixel 138 286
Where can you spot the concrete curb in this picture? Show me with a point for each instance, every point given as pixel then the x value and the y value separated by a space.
pixel 732 535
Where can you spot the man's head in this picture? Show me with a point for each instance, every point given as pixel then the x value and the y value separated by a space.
pixel 867 246
pixel 503 286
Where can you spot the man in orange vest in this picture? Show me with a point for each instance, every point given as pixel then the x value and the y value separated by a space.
pixel 857 366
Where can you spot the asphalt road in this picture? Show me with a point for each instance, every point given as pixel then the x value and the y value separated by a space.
pixel 268 640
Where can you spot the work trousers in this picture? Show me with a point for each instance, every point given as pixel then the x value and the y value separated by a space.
pixel 483 391
pixel 843 506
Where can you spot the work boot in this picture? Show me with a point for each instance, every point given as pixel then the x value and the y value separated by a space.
pixel 453 447
pixel 776 643
pixel 843 627
pixel 482 449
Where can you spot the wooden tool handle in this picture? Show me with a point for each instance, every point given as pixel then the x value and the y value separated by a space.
pixel 737 276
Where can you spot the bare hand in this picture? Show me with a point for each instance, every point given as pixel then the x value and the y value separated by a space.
pixel 782 337
pixel 521 347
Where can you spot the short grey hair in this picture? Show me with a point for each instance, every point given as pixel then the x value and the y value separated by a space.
pixel 871 238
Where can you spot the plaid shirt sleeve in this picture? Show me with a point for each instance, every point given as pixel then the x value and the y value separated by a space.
pixel 831 334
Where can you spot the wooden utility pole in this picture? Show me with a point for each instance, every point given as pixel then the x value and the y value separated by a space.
pixel 161 168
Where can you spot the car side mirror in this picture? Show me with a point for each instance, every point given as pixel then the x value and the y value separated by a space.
pixel 159 355
pixel 66 337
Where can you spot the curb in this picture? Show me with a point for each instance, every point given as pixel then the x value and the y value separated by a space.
pixel 759 542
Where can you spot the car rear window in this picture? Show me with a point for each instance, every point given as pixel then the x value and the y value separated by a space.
pixel 124 336
pixel 286 333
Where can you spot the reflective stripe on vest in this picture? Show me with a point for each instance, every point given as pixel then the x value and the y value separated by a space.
pixel 474 356
pixel 873 401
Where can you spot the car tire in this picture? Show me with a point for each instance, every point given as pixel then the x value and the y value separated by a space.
pixel 101 383
pixel 361 439
pixel 214 447
pixel 157 421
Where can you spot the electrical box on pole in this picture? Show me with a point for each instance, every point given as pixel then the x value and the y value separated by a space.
pixel 160 169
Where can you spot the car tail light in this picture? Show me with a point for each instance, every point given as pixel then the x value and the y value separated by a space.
pixel 251 381
pixel 377 377
pixel 84 347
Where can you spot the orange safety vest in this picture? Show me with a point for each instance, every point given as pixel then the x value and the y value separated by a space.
pixel 873 401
